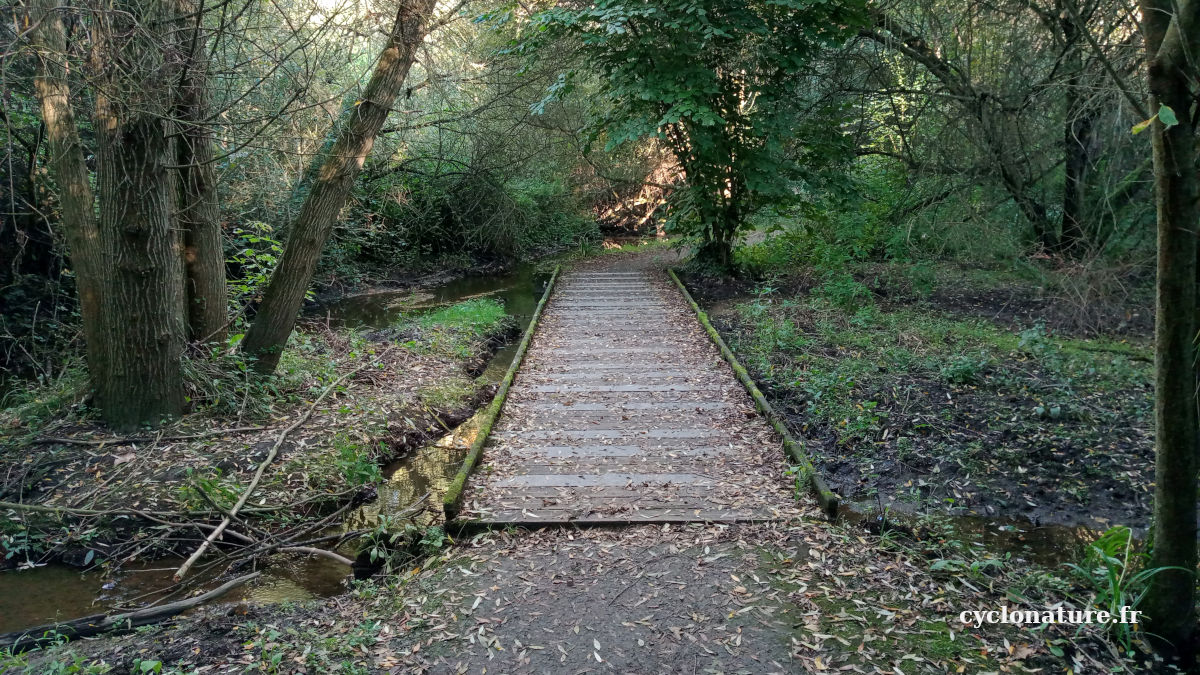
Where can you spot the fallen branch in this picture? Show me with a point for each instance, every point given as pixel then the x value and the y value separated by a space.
pixel 60 510
pixel 149 515
pixel 101 623
pixel 318 551
pixel 262 467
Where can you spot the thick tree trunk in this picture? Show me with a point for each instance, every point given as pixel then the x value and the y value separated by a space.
pixel 199 212
pixel 285 293
pixel 1170 44
pixel 143 303
pixel 70 172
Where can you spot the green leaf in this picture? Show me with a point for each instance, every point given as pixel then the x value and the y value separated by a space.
pixel 1167 116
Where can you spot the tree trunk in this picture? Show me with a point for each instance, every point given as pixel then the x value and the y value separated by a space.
pixel 1077 138
pixel 70 172
pixel 285 293
pixel 143 303
pixel 199 212
pixel 1170 42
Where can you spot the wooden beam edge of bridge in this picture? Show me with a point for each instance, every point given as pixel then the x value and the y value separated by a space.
pixel 827 498
pixel 453 496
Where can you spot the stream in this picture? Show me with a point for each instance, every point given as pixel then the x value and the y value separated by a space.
pixel 58 591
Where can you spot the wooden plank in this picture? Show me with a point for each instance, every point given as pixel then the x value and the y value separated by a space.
pixel 619 416
pixel 608 433
pixel 566 451
pixel 605 479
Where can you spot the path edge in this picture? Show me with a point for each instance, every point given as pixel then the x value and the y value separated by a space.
pixel 827 498
pixel 450 502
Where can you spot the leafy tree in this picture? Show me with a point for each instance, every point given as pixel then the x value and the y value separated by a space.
pixel 716 82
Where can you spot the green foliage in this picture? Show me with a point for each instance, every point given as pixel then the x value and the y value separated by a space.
pixel 433 539
pixel 253 254
pixel 479 317
pixel 964 369
pixel 356 463
pixel 717 82
pixel 1110 569
pixel 418 220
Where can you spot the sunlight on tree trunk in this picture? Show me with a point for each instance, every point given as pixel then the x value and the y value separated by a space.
pixel 70 171
pixel 290 280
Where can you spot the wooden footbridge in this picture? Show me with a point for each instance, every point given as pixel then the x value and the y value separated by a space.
pixel 623 411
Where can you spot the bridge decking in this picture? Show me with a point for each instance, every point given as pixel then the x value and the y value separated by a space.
pixel 624 412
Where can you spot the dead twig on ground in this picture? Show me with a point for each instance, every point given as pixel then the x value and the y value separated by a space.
pixel 262 467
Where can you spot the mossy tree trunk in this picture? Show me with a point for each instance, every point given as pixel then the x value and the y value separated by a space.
pixel 143 303
pixel 1171 42
pixel 291 278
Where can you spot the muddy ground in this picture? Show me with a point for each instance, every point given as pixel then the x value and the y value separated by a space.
pixel 990 400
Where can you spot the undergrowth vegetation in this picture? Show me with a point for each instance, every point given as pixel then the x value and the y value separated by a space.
pixel 925 401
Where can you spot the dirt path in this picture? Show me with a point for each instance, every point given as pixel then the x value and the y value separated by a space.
pixel 624 412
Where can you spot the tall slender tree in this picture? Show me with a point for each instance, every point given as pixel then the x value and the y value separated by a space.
pixel 1171 34
pixel 291 278
pixel 69 169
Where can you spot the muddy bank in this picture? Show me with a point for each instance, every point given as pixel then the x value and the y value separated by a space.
pixel 126 509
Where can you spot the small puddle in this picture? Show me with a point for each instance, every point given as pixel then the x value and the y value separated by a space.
pixel 58 592
pixel 1047 545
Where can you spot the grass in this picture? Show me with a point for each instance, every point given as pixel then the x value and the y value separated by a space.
pixel 34 405
pixel 456 330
